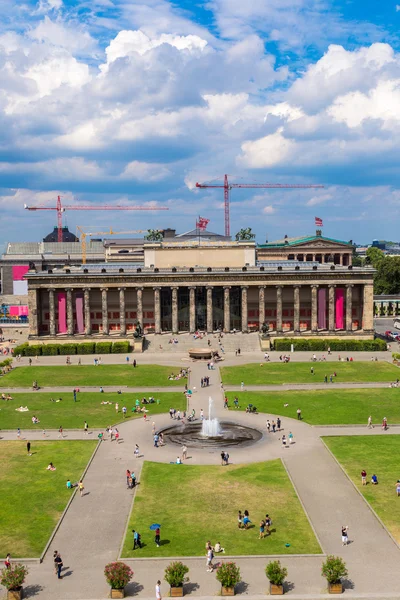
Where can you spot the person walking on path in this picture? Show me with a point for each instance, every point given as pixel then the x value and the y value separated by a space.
pixel 18 433
pixel 268 426
pixel 278 424
pixel 60 432
pixel 299 414
pixel 81 487
pixel 184 452
pixel 59 565
pixel 86 427
pixel 158 590
pixel 290 436
pixel 384 424
pixel 136 453
pixel 369 425
pixel 363 477
pixel 7 562
pixel 345 535
pixel 273 426
pixel 242 386
pixel 210 557
pixel 28 448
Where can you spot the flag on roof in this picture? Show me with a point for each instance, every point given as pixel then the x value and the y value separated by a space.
pixel 318 222
pixel 202 223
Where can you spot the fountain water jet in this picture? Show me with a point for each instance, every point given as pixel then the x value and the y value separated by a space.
pixel 210 426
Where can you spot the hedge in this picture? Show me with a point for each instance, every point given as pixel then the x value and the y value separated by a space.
pixel 121 347
pixel 318 345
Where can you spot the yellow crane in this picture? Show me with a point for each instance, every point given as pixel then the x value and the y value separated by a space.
pixel 84 234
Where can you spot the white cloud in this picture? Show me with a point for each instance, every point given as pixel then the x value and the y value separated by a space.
pixel 60 34
pixel 266 152
pixel 45 6
pixel 319 199
pixel 146 172
pixel 269 210
pixel 397 7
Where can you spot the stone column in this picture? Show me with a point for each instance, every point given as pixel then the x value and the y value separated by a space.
pixel 33 313
pixel 139 306
pixel 157 310
pixel 368 302
pixel 192 309
pixel 88 323
pixel 296 299
pixel 261 306
pixel 122 319
pixel 52 313
pixel 104 310
pixel 278 309
pixel 341 260
pixel 209 310
pixel 70 313
pixel 349 307
pixel 331 324
pixel 245 325
pixel 174 310
pixel 227 309
pixel 314 308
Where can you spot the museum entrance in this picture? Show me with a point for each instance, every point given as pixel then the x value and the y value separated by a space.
pixel 183 309
pixel 201 308
pixel 166 309
pixel 236 308
pixel 218 308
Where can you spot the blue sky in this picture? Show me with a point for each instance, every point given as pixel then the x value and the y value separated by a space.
pixel 131 102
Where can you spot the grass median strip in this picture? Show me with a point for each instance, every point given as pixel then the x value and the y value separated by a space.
pixel 194 504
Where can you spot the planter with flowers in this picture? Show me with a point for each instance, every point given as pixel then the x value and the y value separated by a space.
pixel 118 575
pixel 228 574
pixel 175 575
pixel 276 575
pixel 333 569
pixel 12 579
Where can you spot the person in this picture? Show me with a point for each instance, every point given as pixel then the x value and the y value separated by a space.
pixel 273 426
pixel 157 537
pixel 158 590
pixel 312 370
pixel 69 484
pixel 51 467
pixel 210 557
pixel 134 363
pixel 290 437
pixel 384 424
pixel 268 523
pixel 240 520
pixel 374 480
pixel 184 452
pixel 136 453
pixel 363 477
pixel 124 411
pixel 262 529
pixel 278 424
pixel 218 548
pixel 60 432
pixel 284 441
pixel 246 519
pixel 369 425
pixel 7 562
pixel 268 426
pixel 398 487
pixel 226 458
pixel 345 535
pixel 155 438
pixel 201 414
pixel 28 448
pixel 178 460
pixel 299 414
pixel 222 458
pixel 86 427
pixel 81 488
pixel 58 564
pixel 116 407
pixel 136 539
pixel 18 433
pixel 242 386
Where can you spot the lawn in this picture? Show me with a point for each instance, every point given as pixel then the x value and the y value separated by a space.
pixel 326 407
pixel 276 373
pixel 32 498
pixel 194 504
pixel 379 455
pixel 72 415
pixel 89 375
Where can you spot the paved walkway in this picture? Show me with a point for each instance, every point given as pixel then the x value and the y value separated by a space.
pixel 92 530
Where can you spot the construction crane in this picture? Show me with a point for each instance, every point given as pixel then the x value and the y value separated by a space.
pixel 84 234
pixel 60 209
pixel 228 186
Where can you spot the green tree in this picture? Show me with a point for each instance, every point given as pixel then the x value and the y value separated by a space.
pixel 245 234
pixel 373 256
pixel 387 277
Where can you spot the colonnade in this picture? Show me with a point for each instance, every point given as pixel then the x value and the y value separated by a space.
pixel 331 307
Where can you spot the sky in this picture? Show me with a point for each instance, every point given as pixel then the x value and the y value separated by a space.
pixel 131 102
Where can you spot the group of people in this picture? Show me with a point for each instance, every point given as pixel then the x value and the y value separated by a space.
pixel 374 478
pixel 274 427
pixel 6 396
pixel 284 358
pixel 224 458
pixel 210 551
pixel 205 381
pixel 176 376
pixel 130 479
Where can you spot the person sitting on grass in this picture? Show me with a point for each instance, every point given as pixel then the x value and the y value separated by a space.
pixel 51 467
pixel 398 487
pixel 35 420
pixel 374 480
pixel 71 485
pixel 218 548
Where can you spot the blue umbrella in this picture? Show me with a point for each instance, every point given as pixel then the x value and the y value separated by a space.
pixel 155 526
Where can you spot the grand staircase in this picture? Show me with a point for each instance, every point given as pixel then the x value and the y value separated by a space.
pixel 247 342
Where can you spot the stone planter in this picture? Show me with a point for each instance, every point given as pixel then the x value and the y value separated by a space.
pixel 227 591
pixel 14 594
pixel 176 592
pixel 275 590
pixel 117 593
pixel 335 588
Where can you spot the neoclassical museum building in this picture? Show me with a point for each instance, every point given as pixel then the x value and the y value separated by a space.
pixel 298 286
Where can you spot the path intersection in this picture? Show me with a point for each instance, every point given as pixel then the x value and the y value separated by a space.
pixel 92 530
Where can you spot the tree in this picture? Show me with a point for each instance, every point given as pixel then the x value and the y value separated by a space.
pixel 373 256
pixel 387 278
pixel 245 235
pixel 154 235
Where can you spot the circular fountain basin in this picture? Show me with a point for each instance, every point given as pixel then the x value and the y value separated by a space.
pixel 199 353
pixel 231 434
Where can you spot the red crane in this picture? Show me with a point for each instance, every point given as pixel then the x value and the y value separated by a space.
pixel 228 186
pixel 60 209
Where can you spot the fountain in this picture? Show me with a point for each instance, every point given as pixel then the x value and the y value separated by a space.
pixel 210 426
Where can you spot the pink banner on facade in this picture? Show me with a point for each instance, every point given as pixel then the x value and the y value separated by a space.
pixel 18 311
pixel 322 308
pixel 339 308
pixel 19 271
pixel 79 313
pixel 62 312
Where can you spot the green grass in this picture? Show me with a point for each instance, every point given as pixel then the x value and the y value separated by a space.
pixel 326 407
pixel 276 373
pixel 72 414
pixel 194 504
pixel 89 375
pixel 32 498
pixel 379 455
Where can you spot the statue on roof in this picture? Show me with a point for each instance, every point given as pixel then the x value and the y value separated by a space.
pixel 245 235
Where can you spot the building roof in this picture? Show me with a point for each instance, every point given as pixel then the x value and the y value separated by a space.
pixel 55 248
pixel 203 233
pixel 294 241
pixel 67 236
